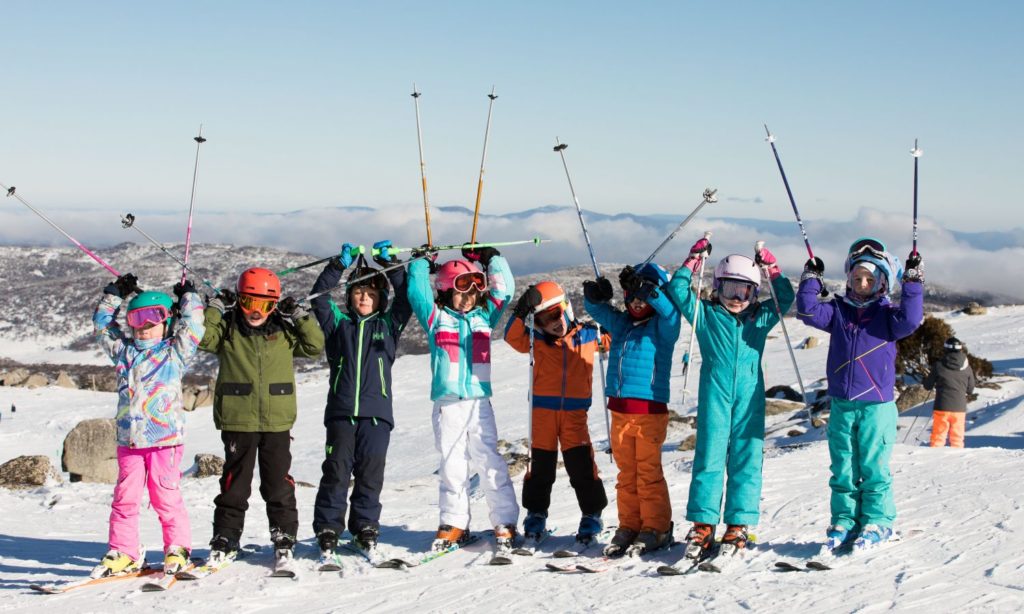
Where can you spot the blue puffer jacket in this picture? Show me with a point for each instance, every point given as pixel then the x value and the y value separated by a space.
pixel 640 362
pixel 862 350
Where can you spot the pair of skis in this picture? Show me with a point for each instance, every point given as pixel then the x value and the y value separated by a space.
pixel 828 560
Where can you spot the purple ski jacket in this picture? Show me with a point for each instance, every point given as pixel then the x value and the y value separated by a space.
pixel 862 351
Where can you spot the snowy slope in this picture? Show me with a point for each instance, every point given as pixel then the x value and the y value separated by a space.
pixel 969 558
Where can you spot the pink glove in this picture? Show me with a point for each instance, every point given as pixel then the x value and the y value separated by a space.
pixel 700 249
pixel 767 259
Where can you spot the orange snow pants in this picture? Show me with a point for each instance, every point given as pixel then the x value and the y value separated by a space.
pixel 641 488
pixel 951 421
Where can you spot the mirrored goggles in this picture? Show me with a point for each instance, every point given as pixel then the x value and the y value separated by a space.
pixel 139 318
pixel 867 246
pixel 467 281
pixel 549 315
pixel 734 289
pixel 260 304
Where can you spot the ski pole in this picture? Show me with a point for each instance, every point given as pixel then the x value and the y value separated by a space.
pixel 360 250
pixel 10 192
pixel 529 394
pixel 560 148
pixel 709 197
pixel 785 332
pixel 917 153
pixel 483 158
pixel 693 325
pixel 191 203
pixel 442 248
pixel 423 165
pixel 350 280
pixel 128 221
pixel 792 201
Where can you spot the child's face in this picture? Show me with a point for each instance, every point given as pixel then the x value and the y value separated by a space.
pixel 365 300
pixel 552 323
pixel 149 331
pixel 464 301
pixel 863 282
pixel 734 305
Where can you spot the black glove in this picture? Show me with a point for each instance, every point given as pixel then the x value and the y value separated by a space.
pixel 183 287
pixel 914 271
pixel 482 255
pixel 287 306
pixel 630 280
pixel 814 268
pixel 123 286
pixel 646 290
pixel 527 302
pixel 599 291
pixel 223 301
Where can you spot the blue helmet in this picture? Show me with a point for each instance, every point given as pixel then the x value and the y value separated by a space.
pixel 872 252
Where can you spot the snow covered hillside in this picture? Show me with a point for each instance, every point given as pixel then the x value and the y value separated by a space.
pixel 968 504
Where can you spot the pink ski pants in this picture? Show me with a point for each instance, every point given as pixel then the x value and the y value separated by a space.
pixel 158 471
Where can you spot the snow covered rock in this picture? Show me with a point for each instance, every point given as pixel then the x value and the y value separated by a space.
pixel 90 451
pixel 36 380
pixel 974 309
pixel 27 472
pixel 14 377
pixel 65 381
pixel 208 465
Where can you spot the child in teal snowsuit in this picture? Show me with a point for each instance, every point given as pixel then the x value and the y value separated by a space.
pixel 731 328
pixel 864 328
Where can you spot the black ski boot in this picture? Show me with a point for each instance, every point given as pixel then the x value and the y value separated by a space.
pixel 327 539
pixel 222 548
pixel 650 540
pixel 367 538
pixel 622 540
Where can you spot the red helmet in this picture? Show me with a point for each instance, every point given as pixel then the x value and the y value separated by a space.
pixel 259 282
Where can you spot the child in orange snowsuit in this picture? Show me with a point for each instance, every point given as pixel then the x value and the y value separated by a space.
pixel 563 376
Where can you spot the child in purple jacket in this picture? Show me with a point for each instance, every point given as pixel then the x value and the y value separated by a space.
pixel 864 328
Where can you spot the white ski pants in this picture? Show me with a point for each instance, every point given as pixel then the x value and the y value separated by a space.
pixel 465 433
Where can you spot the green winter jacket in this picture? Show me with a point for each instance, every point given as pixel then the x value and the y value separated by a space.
pixel 256 381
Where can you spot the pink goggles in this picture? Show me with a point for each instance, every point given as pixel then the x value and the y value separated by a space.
pixel 139 318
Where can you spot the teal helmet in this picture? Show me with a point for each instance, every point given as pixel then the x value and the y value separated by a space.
pixel 150 308
pixel 150 299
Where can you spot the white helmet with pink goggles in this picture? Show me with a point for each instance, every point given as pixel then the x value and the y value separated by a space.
pixel 735 272
pixel 460 275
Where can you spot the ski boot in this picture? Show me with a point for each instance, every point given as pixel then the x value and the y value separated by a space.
pixel 366 539
pixel 699 541
pixel 649 540
pixel 590 526
pixel 448 536
pixel 838 536
pixel 622 540
pixel 327 539
pixel 222 549
pixel 871 536
pixel 116 563
pixel 535 525
pixel 175 560
pixel 284 554
pixel 736 536
pixel 505 536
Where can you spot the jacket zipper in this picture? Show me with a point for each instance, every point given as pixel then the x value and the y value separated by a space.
pixel 259 391
pixel 622 355
pixel 383 388
pixel 337 376
pixel 564 374
pixel 359 368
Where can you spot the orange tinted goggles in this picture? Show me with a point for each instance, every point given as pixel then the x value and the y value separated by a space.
pixel 468 281
pixel 260 304
pixel 550 315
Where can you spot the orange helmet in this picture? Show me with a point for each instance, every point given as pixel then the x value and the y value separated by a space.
pixel 259 282
pixel 553 299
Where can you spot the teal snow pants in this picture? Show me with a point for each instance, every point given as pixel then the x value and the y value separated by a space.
pixel 860 439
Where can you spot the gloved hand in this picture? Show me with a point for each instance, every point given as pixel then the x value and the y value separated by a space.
pixel 383 254
pixel 527 303
pixel 291 310
pixel 814 268
pixel 630 280
pixel 764 258
pixel 123 286
pixel 482 255
pixel 430 253
pixel 701 248
pixel 223 301
pixel 914 270
pixel 599 291
pixel 645 291
pixel 183 287
pixel 345 257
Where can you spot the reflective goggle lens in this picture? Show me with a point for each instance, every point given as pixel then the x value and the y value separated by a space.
pixel 468 281
pixel 549 315
pixel 737 290
pixel 139 318
pixel 256 303
pixel 868 246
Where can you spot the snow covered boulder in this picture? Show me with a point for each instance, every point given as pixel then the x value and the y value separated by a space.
pixel 784 392
pixel 208 465
pixel 36 380
pixel 196 396
pixel 14 377
pixel 65 381
pixel 27 472
pixel 90 451
pixel 974 309
pixel 913 396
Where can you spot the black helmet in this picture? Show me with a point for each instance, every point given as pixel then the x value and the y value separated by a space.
pixel 374 279
pixel 953 344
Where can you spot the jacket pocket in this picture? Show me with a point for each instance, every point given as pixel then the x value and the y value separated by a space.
pixel 284 389
pixel 234 390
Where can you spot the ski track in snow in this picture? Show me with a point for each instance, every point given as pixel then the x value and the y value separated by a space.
pixel 970 556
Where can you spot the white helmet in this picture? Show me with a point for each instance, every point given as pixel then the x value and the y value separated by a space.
pixel 739 267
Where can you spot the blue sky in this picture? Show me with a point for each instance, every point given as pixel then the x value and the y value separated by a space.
pixel 306 105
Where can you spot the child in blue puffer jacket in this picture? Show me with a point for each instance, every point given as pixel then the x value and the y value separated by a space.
pixel 861 370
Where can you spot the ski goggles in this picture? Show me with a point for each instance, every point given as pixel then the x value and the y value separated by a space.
pixel 734 289
pixel 368 276
pixel 550 315
pixel 468 281
pixel 139 318
pixel 867 246
pixel 261 304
